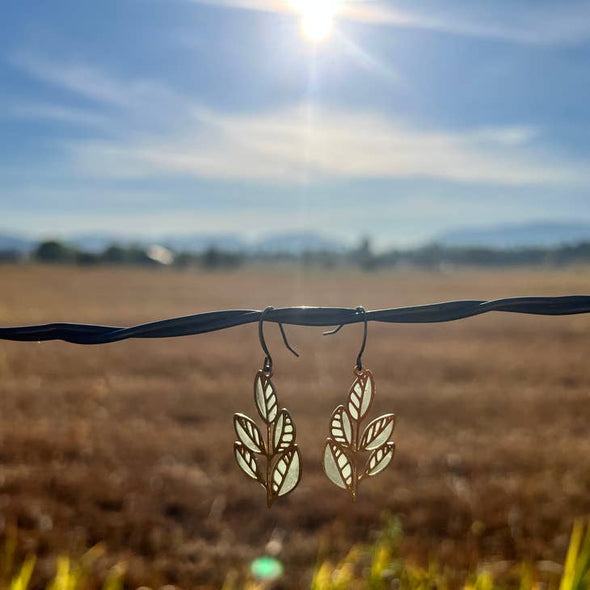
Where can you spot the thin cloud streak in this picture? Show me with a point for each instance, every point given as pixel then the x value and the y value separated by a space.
pixel 52 112
pixel 277 147
pixel 100 87
pixel 507 21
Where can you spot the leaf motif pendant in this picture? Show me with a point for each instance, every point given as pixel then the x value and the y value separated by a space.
pixel 280 470
pixel 347 441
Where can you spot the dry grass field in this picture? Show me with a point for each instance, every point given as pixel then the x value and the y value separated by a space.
pixel 131 443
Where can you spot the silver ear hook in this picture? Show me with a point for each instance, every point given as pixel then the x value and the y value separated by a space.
pixel 359 358
pixel 267 365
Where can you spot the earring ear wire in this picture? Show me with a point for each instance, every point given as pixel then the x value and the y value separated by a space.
pixel 268 358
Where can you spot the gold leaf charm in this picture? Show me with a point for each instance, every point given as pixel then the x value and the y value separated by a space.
pixel 378 432
pixel 282 469
pixel 265 397
pixel 347 441
pixel 341 427
pixel 338 465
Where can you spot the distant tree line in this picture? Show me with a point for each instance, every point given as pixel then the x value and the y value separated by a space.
pixel 433 257
pixel 56 252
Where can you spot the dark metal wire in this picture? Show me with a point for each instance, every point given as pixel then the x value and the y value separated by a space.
pixel 298 316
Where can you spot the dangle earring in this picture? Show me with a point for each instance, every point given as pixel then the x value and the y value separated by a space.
pixel 348 442
pixel 274 460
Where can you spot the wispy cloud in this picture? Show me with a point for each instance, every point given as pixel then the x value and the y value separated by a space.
pixel 85 81
pixel 300 144
pixel 530 23
pixel 53 112
pixel 143 100
pixel 157 132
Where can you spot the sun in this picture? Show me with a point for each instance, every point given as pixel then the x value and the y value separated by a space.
pixel 317 17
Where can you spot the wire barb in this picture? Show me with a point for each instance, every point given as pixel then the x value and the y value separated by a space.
pixel 297 316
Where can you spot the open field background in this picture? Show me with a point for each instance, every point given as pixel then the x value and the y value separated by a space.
pixel 131 443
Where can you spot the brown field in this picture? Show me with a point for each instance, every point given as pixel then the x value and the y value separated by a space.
pixel 131 443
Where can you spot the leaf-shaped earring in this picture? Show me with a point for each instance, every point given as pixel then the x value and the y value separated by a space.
pixel 280 470
pixel 348 441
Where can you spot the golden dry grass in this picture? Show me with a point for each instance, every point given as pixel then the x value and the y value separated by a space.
pixel 131 443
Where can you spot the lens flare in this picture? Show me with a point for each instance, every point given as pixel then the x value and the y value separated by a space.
pixel 266 568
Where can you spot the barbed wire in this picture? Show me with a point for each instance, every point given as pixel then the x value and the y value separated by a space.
pixel 299 316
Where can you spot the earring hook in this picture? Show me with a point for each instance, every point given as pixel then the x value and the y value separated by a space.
pixel 267 365
pixel 359 358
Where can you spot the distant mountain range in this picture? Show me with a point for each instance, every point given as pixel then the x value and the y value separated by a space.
pixel 15 243
pixel 544 234
pixel 298 242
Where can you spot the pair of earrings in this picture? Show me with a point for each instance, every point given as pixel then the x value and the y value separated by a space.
pixel 272 457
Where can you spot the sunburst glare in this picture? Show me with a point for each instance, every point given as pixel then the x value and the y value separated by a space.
pixel 317 17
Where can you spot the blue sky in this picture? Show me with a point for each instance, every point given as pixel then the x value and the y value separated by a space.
pixel 191 116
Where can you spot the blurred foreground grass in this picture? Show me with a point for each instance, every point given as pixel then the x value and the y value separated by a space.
pixel 378 566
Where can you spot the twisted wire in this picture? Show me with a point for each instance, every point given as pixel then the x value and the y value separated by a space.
pixel 299 316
